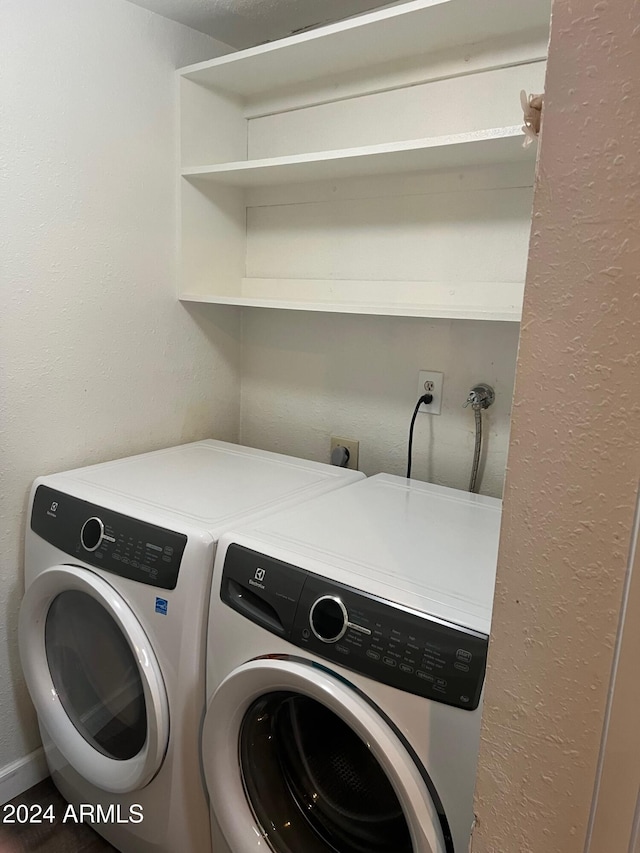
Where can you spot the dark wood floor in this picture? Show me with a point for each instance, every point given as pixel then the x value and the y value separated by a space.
pixel 48 837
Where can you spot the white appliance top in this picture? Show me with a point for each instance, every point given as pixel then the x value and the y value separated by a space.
pixel 211 484
pixel 425 547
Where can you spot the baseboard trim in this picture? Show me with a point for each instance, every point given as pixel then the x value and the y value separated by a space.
pixel 22 774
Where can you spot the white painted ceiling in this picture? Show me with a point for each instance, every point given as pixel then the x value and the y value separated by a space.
pixel 245 23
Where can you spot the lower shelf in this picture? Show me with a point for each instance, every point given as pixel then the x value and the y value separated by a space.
pixel 498 301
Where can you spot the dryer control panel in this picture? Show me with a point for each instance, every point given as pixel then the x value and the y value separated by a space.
pixel 108 540
pixel 406 649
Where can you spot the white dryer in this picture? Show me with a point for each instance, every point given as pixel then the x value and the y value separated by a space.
pixel 118 566
pixel 345 663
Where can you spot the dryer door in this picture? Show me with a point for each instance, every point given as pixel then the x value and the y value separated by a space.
pixel 93 678
pixel 320 769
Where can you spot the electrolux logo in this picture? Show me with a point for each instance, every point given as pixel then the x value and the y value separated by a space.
pixel 257 578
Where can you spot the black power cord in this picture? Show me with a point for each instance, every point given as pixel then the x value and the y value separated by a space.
pixel 426 399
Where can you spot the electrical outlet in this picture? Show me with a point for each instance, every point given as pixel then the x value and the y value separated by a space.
pixel 352 445
pixel 430 382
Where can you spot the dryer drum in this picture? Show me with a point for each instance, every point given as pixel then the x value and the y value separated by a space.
pixel 337 787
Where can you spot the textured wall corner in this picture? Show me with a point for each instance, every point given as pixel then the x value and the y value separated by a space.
pixel 574 458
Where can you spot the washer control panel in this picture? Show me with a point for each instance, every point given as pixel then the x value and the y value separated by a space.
pixel 108 540
pixel 403 648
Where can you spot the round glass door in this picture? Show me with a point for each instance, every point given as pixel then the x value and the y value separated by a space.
pixel 319 768
pixel 315 782
pixel 93 678
pixel 95 675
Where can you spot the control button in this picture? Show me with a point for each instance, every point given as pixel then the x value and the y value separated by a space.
pixel 441 682
pixel 328 619
pixel 306 633
pixel 464 655
pixel 461 666
pixel 389 661
pixel 167 559
pixel 424 676
pixel 373 655
pixel 406 668
pixel 135 564
pixel 125 560
pixel 91 534
pixel 168 550
pixel 465 699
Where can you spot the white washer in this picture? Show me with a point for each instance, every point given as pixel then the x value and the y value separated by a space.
pixel 345 664
pixel 118 566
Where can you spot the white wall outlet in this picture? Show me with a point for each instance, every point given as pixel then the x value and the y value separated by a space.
pixel 352 445
pixel 430 382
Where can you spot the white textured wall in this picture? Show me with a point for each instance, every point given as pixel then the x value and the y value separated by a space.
pixel 308 376
pixel 98 358
pixel 574 460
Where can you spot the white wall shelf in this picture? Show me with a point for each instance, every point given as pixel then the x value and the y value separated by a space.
pixel 374 166
pixel 480 148
pixel 416 28
pixel 468 301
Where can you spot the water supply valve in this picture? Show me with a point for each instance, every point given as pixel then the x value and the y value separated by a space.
pixel 481 396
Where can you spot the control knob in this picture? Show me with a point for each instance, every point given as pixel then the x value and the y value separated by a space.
pixel 92 534
pixel 329 619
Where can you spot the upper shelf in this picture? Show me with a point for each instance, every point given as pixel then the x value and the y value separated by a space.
pixel 477 148
pixel 411 29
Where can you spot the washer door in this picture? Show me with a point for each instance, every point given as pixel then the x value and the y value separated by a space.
pixel 93 678
pixel 320 769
